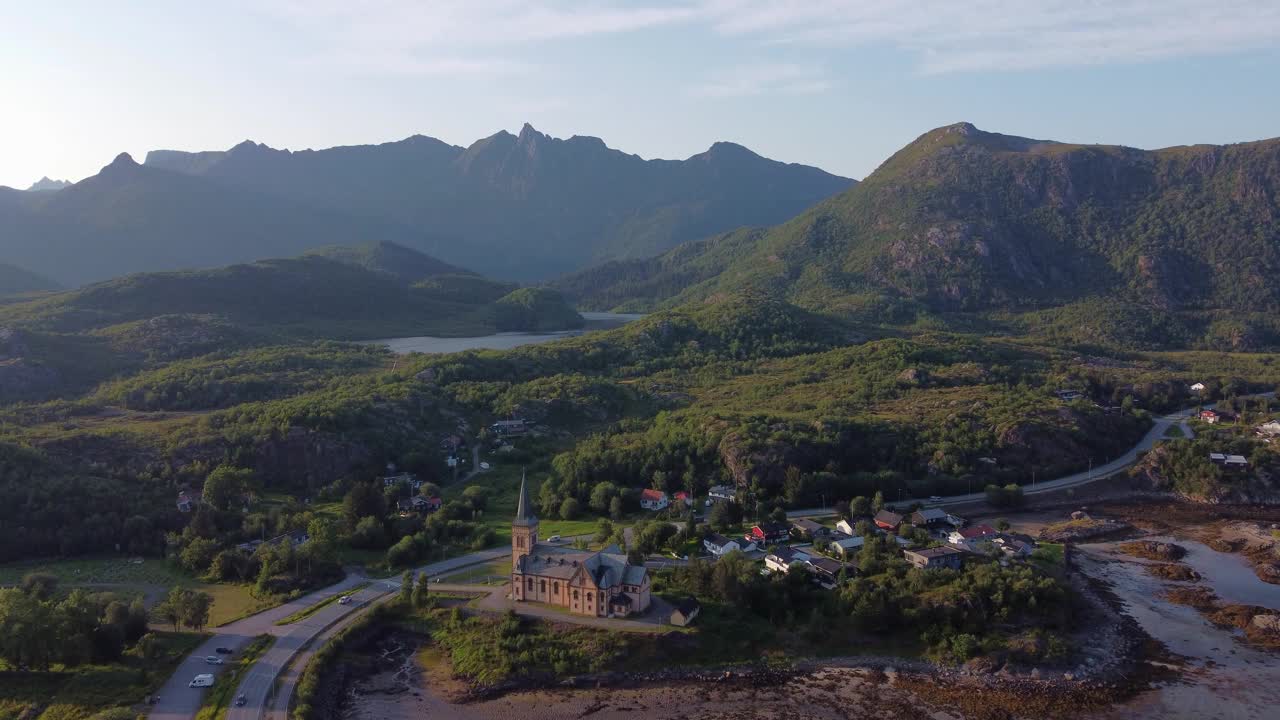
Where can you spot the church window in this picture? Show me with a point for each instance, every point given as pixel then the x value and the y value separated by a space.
pixel 555 588
pixel 575 594
pixel 542 585
pixel 530 584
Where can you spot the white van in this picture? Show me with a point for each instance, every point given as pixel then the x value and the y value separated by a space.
pixel 201 680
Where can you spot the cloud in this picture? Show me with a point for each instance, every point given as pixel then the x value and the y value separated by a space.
pixel 954 36
pixel 764 79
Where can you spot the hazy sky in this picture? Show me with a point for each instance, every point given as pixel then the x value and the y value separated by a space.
pixel 835 83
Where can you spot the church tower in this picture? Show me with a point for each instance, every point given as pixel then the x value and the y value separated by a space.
pixel 524 529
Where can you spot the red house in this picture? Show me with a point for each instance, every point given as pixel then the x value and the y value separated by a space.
pixel 683 497
pixel 770 532
pixel 1209 416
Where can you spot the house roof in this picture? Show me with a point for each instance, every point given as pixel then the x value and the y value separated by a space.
pixel 682 495
pixel 806 525
pixel 931 514
pixel 772 528
pixel 850 543
pixel 524 508
pixel 827 565
pixel 888 517
pixel 651 494
pixel 789 555
pixel 718 540
pixel 976 531
pixel 936 552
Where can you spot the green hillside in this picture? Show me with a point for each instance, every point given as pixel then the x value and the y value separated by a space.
pixel 964 226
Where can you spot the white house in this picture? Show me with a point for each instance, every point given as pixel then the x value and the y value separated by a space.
pixel 719 545
pixel 845 527
pixel 1198 387
pixel 651 499
pixel 720 492
pixel 780 560
pixel 847 546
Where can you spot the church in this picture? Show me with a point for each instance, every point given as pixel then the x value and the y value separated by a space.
pixel 603 584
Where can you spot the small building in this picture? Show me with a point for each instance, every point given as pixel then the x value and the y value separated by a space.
pixel 509 427
pixel 1269 429
pixel 720 545
pixel 1015 545
pixel 847 527
pixel 1069 395
pixel 684 612
pixel 809 529
pixel 975 533
pixel 719 493
pixel 1198 387
pixel 408 479
pixel 1210 416
pixel 782 558
pixel 888 520
pixel 826 572
pixel 651 499
pixel 684 497
pixel 187 501
pixel 769 533
pixel 937 557
pixel 846 547
pixel 422 503
pixel 930 518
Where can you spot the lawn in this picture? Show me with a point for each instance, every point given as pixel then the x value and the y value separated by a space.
pixel 490 573
pixel 149 577
pixel 85 691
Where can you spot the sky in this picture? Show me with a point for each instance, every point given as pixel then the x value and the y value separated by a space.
pixel 839 84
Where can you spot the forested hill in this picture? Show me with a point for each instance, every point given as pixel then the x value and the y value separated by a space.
pixel 971 222
pixel 525 206
pixel 352 293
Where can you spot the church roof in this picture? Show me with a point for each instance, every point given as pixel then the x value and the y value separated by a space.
pixel 607 569
pixel 524 510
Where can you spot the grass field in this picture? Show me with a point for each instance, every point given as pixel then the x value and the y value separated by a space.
pixel 149 577
pixel 82 692
pixel 307 612
pixel 483 574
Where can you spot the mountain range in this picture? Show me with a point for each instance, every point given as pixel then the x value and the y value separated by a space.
pixel 17 281
pixel 519 207
pixel 967 223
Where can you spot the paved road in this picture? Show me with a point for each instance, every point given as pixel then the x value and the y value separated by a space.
pixel 1156 433
pixel 179 702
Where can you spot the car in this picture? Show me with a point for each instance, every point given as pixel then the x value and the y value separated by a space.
pixel 202 680
pixel 241 700
pixel 213 660
pixel 222 650
pixel 935 498
pixel 553 539
pixel 484 466
pixel 344 600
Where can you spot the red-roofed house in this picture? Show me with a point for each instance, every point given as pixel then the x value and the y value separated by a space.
pixel 1209 416
pixel 651 499
pixel 977 532
pixel 683 497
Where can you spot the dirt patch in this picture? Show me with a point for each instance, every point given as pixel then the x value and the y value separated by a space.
pixel 1150 550
pixel 1082 529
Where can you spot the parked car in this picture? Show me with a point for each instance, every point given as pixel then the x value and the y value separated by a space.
pixel 241 700
pixel 202 680
pixel 344 600
pixel 222 650
pixel 484 466
pixel 213 659
pixel 553 539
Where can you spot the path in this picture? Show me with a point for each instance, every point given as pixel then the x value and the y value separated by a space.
pixel 1155 434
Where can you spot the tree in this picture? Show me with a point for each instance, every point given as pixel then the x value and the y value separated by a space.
pixel 877 502
pixel 362 501
pixel 407 583
pixel 322 540
pixel 602 495
pixel 173 607
pixel 1002 524
pixel 225 485
pixel 604 529
pixel 615 507
pixel 860 507
pixel 404 552
pixel 195 613
pixel 421 592
pixel 720 518
pixel 369 534
pixel 40 586
pixel 569 509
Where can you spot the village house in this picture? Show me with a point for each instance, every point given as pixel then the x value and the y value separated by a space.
pixel 1069 395
pixel 846 527
pixel 408 479
pixel 809 529
pixel 846 547
pixel 930 518
pixel 1229 462
pixel 937 557
pixel 1198 387
pixel 684 497
pixel 651 499
pixel 972 538
pixel 1015 545
pixel 1209 416
pixel 509 427
pixel 720 493
pixel 826 572
pixel 769 533
pixel 602 584
pixel 782 558
pixel 719 545
pixel 684 612
pixel 888 520
pixel 187 501
pixel 298 538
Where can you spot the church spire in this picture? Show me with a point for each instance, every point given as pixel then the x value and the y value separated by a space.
pixel 524 510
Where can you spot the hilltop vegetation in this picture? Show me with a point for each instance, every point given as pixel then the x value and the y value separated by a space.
pixel 974 230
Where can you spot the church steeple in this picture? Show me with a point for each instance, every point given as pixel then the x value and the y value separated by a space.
pixel 524 509
pixel 524 529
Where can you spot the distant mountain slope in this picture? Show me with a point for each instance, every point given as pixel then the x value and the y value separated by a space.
pixel 406 265
pixel 131 218
pixel 963 220
pixel 16 281
pixel 526 206
pixel 45 184
pixel 311 296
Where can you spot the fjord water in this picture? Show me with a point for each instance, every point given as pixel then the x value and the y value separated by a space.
pixel 505 340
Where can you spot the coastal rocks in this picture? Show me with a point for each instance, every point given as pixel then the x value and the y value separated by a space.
pixel 1152 550
pixel 1080 530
